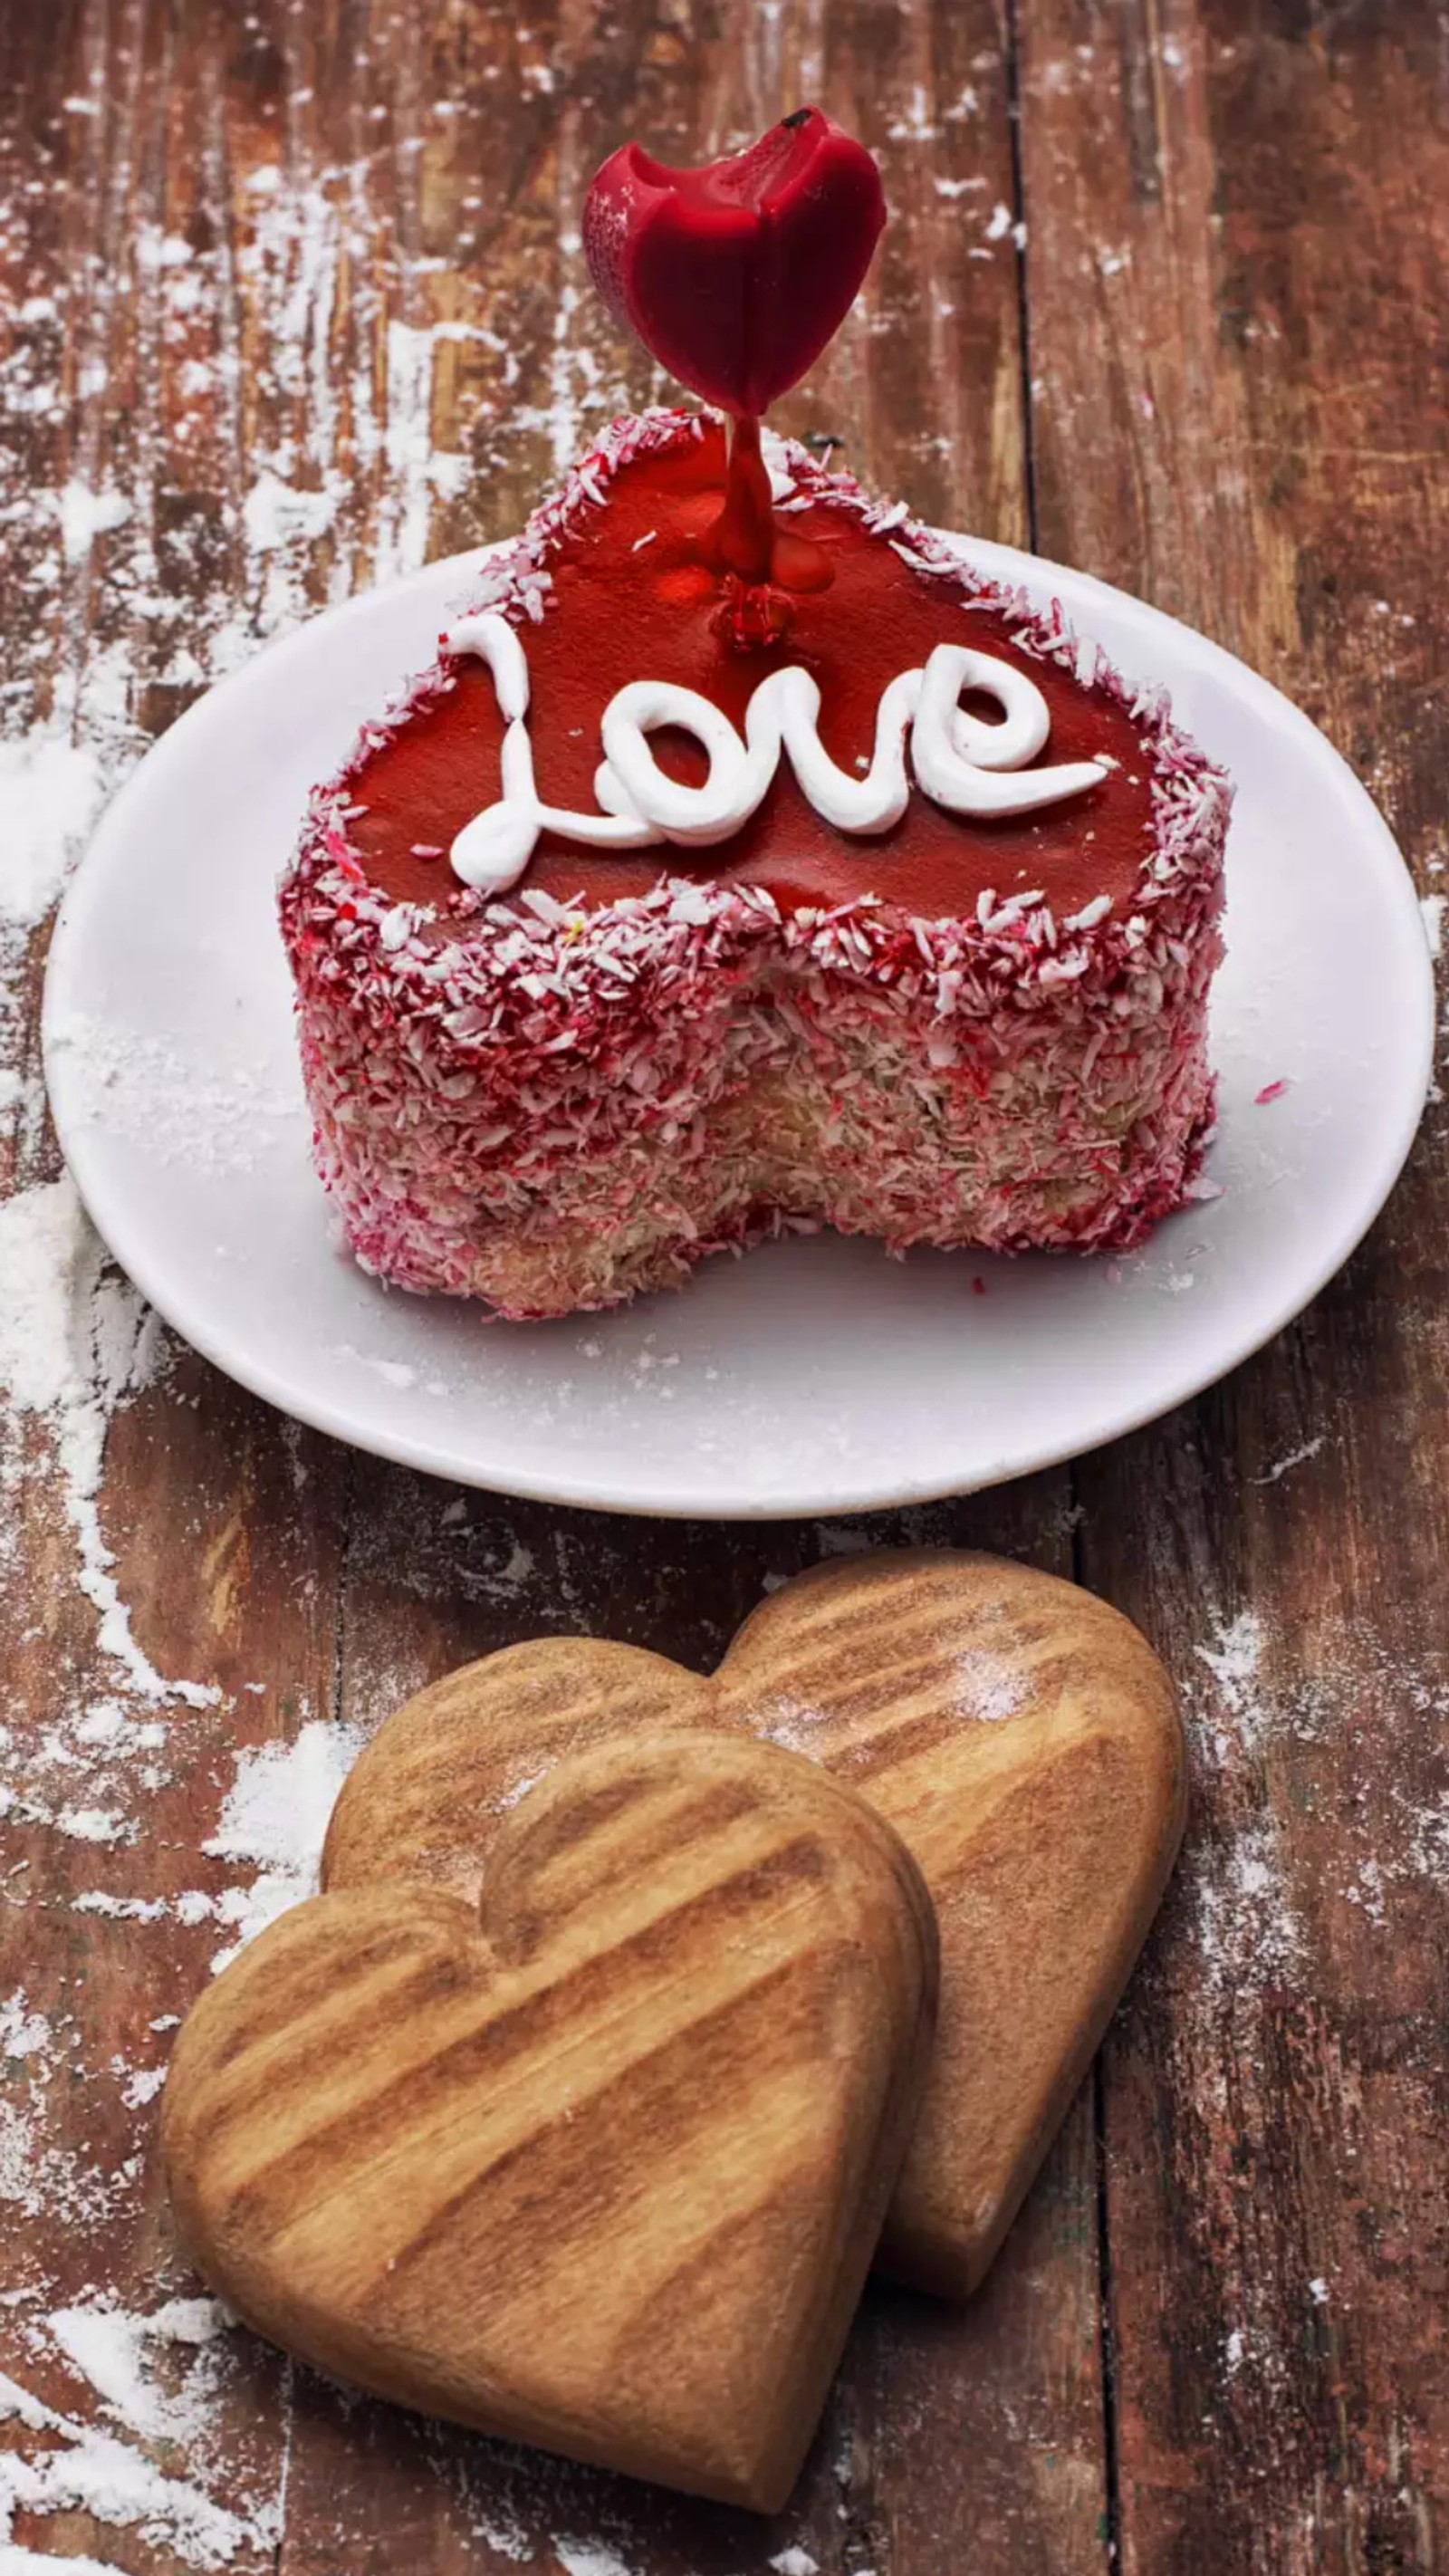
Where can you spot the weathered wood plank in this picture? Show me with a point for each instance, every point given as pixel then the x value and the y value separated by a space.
pixel 297 297
pixel 359 357
pixel 130 1686
pixel 429 1584
pixel 1237 354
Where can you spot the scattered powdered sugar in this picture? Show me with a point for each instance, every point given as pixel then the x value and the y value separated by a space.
pixel 116 2351
pixel 86 515
pixel 518 1789
pixel 22 2032
pixel 1245 1891
pixel 274 513
pixel 790 1722
pixel 841 1538
pixel 1245 1928
pixel 988 1688
pixel 1295 1458
pixel 50 794
pixel 50 1266
pixel 1425 1850
pixel 1234 1658
pixel 518 1569
pixel 76 1345
pixel 86 1824
pixel 41 2180
pixel 83 2470
pixel 275 1814
pixel 75 1342
pixel 142 2086
pixel 590 2558
pixel 1247 1931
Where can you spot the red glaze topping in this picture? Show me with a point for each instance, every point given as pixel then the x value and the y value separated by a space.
pixel 631 600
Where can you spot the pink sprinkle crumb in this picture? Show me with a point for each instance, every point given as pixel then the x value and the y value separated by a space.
pixel 978 1287
pixel 1270 1091
pixel 427 849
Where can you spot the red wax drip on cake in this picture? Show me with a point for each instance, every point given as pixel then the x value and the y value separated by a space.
pixel 743 536
pixel 763 563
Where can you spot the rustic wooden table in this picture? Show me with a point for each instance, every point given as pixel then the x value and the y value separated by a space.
pixel 292 298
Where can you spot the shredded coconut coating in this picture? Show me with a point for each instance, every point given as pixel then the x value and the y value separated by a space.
pixel 554 1109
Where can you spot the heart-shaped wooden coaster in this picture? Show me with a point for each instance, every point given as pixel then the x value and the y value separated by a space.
pixel 1019 1734
pixel 601 2161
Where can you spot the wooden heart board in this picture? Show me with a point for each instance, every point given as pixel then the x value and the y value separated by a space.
pixel 599 2162
pixel 1019 1734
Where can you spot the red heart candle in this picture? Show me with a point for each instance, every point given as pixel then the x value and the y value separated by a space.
pixel 735 276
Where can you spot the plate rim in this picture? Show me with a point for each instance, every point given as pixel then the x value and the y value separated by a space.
pixel 688 1500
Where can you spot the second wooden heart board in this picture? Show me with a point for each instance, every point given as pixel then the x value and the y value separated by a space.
pixel 575 2105
pixel 1020 1735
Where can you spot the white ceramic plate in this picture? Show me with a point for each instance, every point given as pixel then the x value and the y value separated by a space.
pixel 810 1377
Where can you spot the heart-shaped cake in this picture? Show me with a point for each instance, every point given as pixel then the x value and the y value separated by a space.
pixel 747 862
pixel 1018 1733
pixel 599 2159
pixel 629 933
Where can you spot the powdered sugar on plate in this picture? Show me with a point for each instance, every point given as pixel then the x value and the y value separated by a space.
pixel 218 1110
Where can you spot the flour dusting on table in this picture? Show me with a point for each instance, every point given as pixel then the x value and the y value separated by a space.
pixel 149 2415
pixel 275 1815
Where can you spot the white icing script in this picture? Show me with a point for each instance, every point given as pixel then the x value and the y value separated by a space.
pixel 962 763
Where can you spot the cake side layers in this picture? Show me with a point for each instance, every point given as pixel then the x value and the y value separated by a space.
pixel 745 1074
